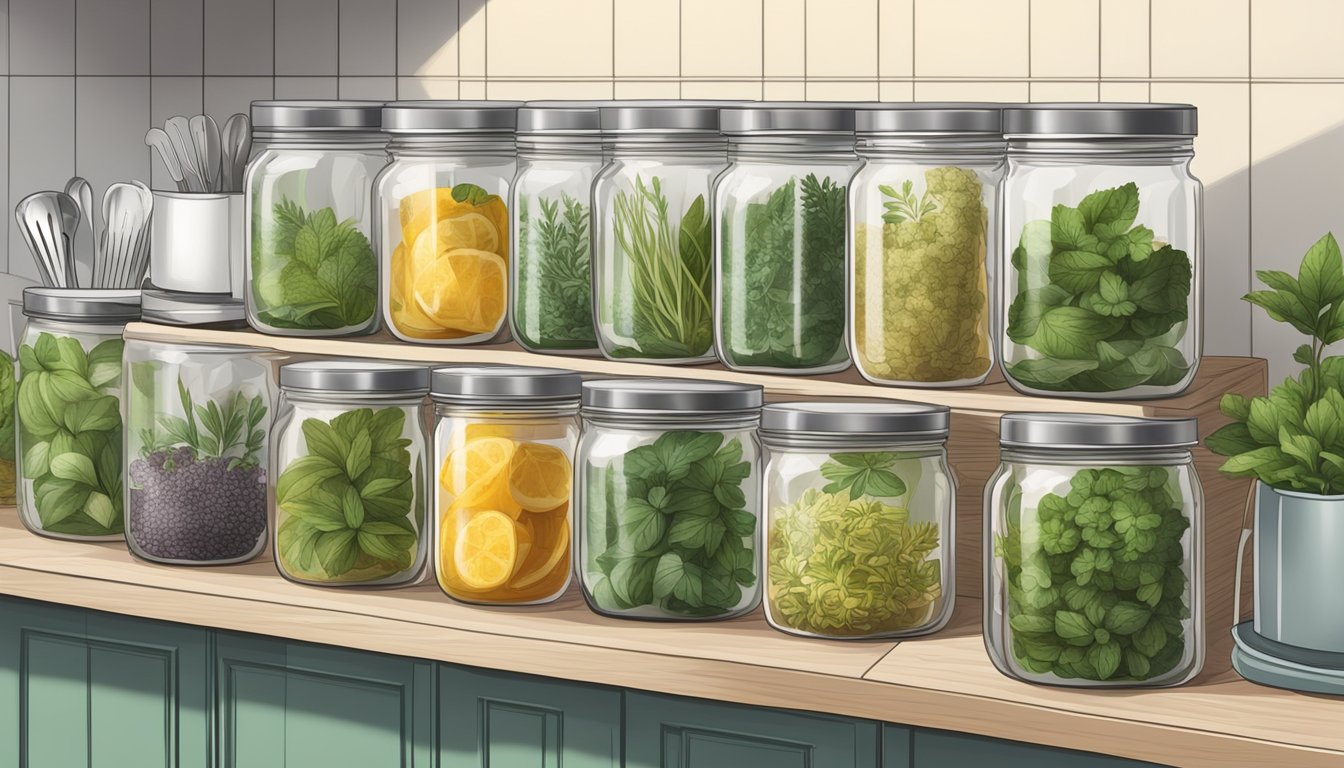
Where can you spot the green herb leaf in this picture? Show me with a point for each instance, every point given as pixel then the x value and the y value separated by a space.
pixel 311 271
pixel 863 474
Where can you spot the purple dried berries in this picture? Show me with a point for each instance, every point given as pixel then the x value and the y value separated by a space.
pixel 208 510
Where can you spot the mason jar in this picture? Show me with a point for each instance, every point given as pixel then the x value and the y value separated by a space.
pixel 442 227
pixel 1103 230
pixel 348 460
pixel 310 267
pixel 197 421
pixel 1093 551
pixel 860 519
pixel 921 215
pixel 504 443
pixel 69 411
pixel 652 244
pixel 551 294
pixel 779 247
pixel 669 498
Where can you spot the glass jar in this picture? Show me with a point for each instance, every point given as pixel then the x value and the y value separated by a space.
pixel 551 295
pixel 504 444
pixel 9 388
pixel 668 498
pixel 921 211
pixel 1093 551
pixel 652 245
pixel 349 468
pixel 69 411
pixel 197 418
pixel 1103 238
pixel 310 266
pixel 779 250
pixel 443 226
pixel 860 523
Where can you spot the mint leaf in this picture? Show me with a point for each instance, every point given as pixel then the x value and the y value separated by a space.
pixel 1069 232
pixel 1115 209
pixel 1072 333
pixel 862 474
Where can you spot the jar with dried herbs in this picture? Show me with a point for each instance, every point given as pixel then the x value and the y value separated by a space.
pixel 921 209
pixel 859 504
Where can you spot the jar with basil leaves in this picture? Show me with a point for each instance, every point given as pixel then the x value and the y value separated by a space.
pixel 860 514
pixel 668 498
pixel 349 457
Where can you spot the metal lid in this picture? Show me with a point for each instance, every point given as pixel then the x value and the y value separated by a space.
pixel 317 115
pixel 450 116
pixel 660 116
pixel 1100 119
pixel 177 308
pixel 1081 431
pixel 503 383
pixel 930 117
pixel 82 305
pixel 361 376
pixel 669 395
pixel 769 117
pixel 897 420
pixel 560 117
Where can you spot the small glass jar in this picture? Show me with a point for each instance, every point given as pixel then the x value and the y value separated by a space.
pixel 69 411
pixel 197 419
pixel 779 250
pixel 652 242
pixel 442 226
pixel 921 212
pixel 1103 229
pixel 310 267
pixel 504 444
pixel 551 294
pixel 860 522
pixel 9 388
pixel 668 498
pixel 349 467
pixel 1093 551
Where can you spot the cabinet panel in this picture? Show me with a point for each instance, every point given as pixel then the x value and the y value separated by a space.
pixel 251 701
pixel 933 749
pixel 50 654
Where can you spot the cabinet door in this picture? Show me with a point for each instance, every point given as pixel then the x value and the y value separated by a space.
pixel 669 732
pixel 499 720
pixel 933 749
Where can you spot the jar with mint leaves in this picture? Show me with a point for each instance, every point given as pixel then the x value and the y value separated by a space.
pixel 1102 244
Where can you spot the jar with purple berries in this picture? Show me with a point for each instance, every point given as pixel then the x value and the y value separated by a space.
pixel 197 420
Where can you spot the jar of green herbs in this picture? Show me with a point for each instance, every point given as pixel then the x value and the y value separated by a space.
pixel 860 519
pixel 652 242
pixel 780 245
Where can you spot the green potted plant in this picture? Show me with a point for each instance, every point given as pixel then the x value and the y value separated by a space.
pixel 1292 443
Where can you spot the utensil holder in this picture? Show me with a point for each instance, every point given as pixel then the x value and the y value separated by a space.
pixel 197 242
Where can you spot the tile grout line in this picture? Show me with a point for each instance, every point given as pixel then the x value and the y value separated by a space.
pixel 1250 175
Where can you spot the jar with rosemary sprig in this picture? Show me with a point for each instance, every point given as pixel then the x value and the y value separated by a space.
pixel 653 281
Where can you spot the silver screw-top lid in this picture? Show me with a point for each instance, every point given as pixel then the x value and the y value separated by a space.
pixel 660 116
pixel 787 117
pixel 317 115
pixel 560 117
pixel 931 117
pixel 893 420
pixel 177 308
pixel 361 376
pixel 503 384
pixel 1099 119
pixel 669 396
pixel 82 305
pixel 450 116
pixel 1083 431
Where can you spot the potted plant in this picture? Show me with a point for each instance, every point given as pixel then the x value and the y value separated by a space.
pixel 1292 442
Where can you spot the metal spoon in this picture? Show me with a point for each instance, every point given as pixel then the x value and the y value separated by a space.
pixel 178 129
pixel 237 145
pixel 205 138
pixel 46 221
pixel 158 139
pixel 82 192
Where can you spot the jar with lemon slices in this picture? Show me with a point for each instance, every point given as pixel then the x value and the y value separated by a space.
pixel 443 224
pixel 504 441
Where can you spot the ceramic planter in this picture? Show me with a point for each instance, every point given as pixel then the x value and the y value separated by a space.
pixel 1299 568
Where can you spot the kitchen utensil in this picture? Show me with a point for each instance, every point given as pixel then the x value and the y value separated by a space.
pixel 237 145
pixel 46 221
pixel 178 129
pixel 197 243
pixel 85 251
pixel 159 140
pixel 205 139
pixel 124 251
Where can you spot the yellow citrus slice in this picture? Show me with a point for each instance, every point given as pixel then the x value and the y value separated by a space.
pixel 419 209
pixel 467 230
pixel 497 212
pixel 539 476
pixel 476 476
pixel 559 552
pixel 515 430
pixel 527 538
pixel 486 549
pixel 464 291
pixel 406 315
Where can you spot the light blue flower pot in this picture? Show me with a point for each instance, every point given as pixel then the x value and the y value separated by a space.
pixel 1299 568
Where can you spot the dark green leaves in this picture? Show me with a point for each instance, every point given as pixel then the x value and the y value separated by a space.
pixel 554 307
pixel 310 271
pixel 230 427
pixel 863 474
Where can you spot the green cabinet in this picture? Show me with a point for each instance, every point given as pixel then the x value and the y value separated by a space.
pixel 932 749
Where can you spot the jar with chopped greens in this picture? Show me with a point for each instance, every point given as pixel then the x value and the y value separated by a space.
pixel 859 514
pixel 921 209
pixel 779 248
pixel 652 243
pixel 1093 551
pixel 1103 231
pixel 668 499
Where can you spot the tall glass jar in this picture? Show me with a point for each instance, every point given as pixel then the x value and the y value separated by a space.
pixel 310 268
pixel 551 295
pixel 1103 239
pixel 669 498
pixel 197 420
pixel 921 212
pixel 779 251
pixel 652 247
pixel 504 444
pixel 1093 548
pixel 442 226
pixel 860 519
pixel 69 411
pixel 348 460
